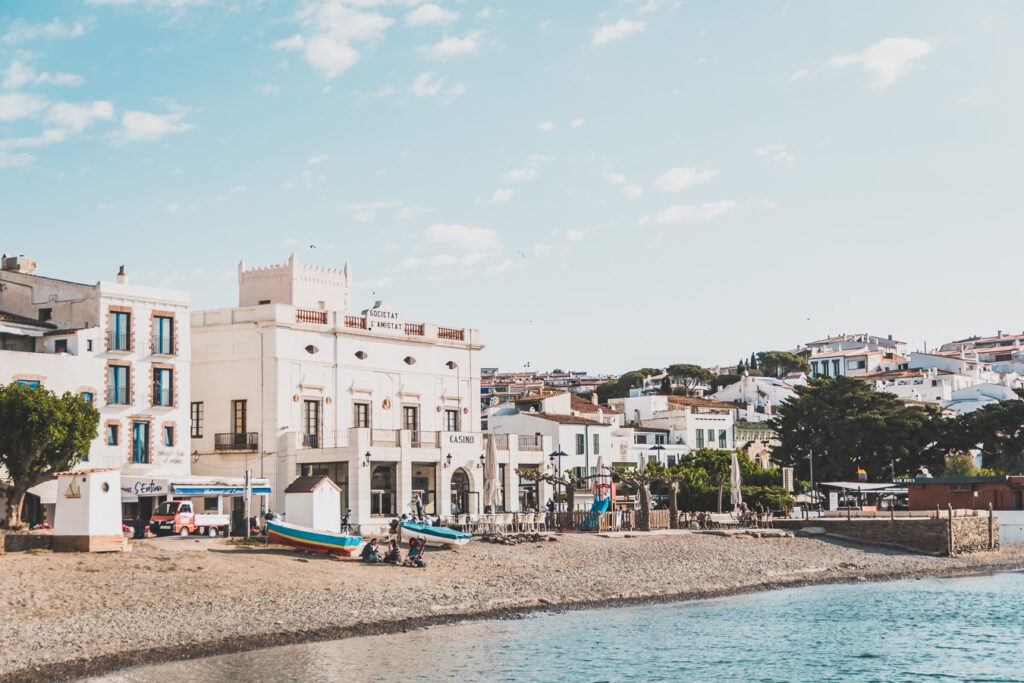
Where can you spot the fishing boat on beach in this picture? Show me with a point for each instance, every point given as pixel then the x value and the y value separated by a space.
pixel 436 535
pixel 312 540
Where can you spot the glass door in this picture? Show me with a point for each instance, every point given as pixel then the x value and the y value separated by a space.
pixel 140 443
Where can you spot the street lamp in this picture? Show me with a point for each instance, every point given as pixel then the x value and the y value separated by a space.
pixel 557 457
pixel 810 456
pixel 366 459
pixel 448 460
pixel 481 465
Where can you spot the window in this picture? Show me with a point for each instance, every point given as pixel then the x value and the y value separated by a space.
pixel 30 383
pixel 711 437
pixel 581 444
pixel 88 344
pixel 88 396
pixel 659 438
pixel 168 436
pixel 60 346
pixel 120 331
pixel 140 442
pixel 238 417
pixel 45 314
pixel 451 420
pixel 197 419
pixel 597 444
pixel 410 418
pixel 209 505
pixel 163 387
pixel 700 438
pixel 311 424
pixel 118 379
pixel 163 335
pixel 672 461
pixel 361 415
pixel 835 367
pixel 112 435
pixel 721 438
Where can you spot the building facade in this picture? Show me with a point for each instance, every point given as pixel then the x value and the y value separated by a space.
pixel 124 347
pixel 292 382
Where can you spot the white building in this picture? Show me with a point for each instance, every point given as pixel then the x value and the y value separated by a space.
pixel 975 397
pixel 918 384
pixel 763 394
pixel 293 382
pixel 692 422
pixel 125 347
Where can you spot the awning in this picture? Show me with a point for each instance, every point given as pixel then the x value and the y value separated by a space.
pixel 47 492
pixel 201 490
pixel 855 485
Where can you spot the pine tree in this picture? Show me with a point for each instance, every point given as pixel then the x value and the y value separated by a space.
pixel 753 361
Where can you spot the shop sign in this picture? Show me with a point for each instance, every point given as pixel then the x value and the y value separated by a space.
pixel 142 487
pixel 461 440
pixel 381 319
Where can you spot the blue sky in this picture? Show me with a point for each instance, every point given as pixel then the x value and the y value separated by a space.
pixel 598 185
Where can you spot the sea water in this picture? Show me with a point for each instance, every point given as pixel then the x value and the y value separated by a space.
pixel 965 629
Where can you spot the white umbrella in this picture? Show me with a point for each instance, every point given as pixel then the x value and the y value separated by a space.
pixel 735 494
pixel 492 488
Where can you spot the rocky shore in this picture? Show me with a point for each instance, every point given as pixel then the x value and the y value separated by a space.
pixel 68 615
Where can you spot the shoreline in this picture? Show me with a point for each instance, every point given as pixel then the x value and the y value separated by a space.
pixel 110 663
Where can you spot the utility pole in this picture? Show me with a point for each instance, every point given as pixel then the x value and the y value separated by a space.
pixel 811 457
pixel 247 497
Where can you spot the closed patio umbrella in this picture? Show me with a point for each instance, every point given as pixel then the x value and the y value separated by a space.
pixel 735 493
pixel 492 487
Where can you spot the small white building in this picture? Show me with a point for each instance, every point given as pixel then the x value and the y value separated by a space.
pixel 313 502
pixel 976 397
pixel 124 347
pixel 763 394
pixel 692 422
pixel 88 514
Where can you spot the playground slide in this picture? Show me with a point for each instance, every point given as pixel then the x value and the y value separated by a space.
pixel 600 505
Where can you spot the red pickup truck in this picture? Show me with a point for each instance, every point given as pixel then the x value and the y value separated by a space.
pixel 177 517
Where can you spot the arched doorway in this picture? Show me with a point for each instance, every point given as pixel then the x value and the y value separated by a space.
pixel 460 492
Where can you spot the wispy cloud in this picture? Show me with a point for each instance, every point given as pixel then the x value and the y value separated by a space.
pixel 19 74
pixel 884 62
pixel 16 105
pixel 502 195
pixel 630 189
pixel 77 117
pixel 682 177
pixel 528 172
pixel 22 31
pixel 148 127
pixel 621 29
pixel 694 213
pixel 430 14
pixel 546 126
pixel 330 31
pixel 453 47
pixel 776 155
pixel 429 85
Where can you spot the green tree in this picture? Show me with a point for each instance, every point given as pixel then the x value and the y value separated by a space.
pixel 721 381
pixel 779 363
pixel 846 424
pixel 752 363
pixel 959 464
pixel 41 434
pixel 620 387
pixel 998 429
pixel 688 376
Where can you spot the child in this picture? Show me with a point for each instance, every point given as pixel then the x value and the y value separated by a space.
pixel 415 557
pixel 394 555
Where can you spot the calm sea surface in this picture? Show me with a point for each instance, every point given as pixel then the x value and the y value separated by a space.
pixel 969 629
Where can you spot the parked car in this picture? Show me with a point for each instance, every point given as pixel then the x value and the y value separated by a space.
pixel 177 517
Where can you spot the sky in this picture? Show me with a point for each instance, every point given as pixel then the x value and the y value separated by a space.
pixel 595 185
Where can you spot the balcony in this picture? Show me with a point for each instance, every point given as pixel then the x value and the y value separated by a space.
pixel 118 396
pixel 451 334
pixel 385 437
pixel 119 342
pixel 311 441
pixel 414 329
pixel 163 397
pixel 303 315
pixel 163 346
pixel 355 321
pixel 420 439
pixel 244 441
pixel 530 442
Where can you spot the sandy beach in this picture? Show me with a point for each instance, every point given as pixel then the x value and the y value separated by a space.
pixel 70 615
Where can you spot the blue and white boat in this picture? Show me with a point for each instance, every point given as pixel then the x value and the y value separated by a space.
pixel 435 535
pixel 313 540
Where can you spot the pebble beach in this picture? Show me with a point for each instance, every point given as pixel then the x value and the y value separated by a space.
pixel 71 615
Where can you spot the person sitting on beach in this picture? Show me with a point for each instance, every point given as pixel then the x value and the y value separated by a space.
pixel 415 557
pixel 371 552
pixel 394 555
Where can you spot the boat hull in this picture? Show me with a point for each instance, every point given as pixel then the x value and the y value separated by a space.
pixel 435 536
pixel 312 540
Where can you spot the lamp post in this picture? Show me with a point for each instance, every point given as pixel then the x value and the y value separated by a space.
pixel 810 456
pixel 554 458
pixel 657 448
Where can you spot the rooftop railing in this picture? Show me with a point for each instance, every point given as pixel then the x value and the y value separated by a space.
pixel 304 315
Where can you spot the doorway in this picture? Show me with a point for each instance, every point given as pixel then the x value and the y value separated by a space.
pixel 460 493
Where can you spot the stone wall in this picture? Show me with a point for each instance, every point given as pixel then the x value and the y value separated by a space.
pixel 930 535
pixel 19 542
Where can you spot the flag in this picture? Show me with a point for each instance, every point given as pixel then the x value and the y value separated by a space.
pixel 862 475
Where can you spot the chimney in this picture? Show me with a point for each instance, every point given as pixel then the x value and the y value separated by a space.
pixel 122 277
pixel 890 337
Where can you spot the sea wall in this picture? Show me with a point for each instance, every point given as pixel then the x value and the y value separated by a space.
pixel 929 535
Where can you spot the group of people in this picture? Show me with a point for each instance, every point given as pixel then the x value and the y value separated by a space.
pixel 371 553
